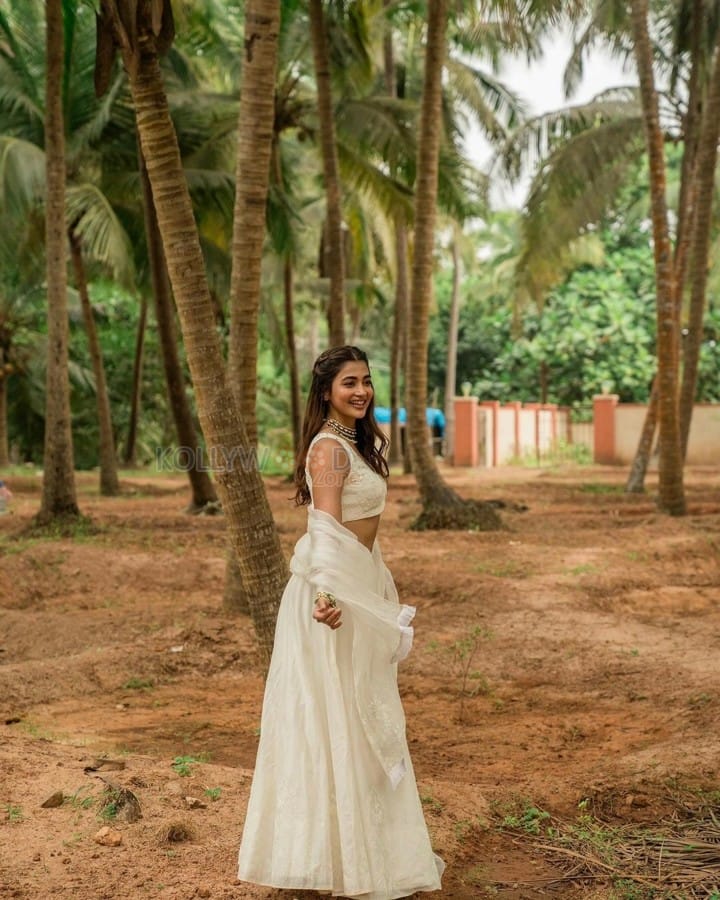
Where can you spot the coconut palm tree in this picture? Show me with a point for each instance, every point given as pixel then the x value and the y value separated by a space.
pixel 142 32
pixel 705 165
pixel 672 498
pixel 93 229
pixel 58 493
pixel 333 242
pixel 255 143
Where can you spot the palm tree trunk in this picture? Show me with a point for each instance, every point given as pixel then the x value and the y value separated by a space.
pixel 254 535
pixel 691 125
pixel 635 483
pixel 441 506
pixel 451 371
pixel 129 454
pixel 333 250
pixel 691 134
pixel 671 493
pixel 399 329
pixel 433 489
pixel 255 139
pixel 4 446
pixel 700 249
pixel 58 493
pixel 203 490
pixel 399 337
pixel 109 485
pixel 295 400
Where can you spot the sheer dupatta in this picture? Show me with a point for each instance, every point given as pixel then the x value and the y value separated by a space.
pixel 331 558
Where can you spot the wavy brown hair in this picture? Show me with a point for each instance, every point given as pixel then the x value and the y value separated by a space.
pixel 371 442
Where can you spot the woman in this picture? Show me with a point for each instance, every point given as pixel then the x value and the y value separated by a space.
pixel 334 806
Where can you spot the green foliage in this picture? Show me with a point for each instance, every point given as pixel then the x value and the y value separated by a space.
pixel 183 765
pixel 530 820
pixel 13 814
pixel 595 333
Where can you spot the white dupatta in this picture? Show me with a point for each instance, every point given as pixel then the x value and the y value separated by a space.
pixel 331 558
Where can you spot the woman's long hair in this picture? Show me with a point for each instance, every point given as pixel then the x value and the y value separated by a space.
pixel 371 442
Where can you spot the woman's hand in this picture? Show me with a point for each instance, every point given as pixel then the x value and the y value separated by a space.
pixel 324 611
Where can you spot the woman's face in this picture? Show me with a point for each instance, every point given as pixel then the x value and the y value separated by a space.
pixel 350 393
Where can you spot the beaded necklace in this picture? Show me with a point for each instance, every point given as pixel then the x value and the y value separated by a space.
pixel 350 434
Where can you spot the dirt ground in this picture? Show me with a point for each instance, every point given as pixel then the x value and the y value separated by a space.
pixel 562 696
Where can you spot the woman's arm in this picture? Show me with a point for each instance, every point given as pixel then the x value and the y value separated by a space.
pixel 329 465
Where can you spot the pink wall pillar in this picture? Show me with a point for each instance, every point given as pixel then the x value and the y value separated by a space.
pixel 604 428
pixel 466 432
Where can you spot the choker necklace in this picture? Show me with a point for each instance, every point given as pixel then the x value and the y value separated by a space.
pixel 350 434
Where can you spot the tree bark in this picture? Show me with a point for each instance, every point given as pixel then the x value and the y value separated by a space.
pixel 255 140
pixel 691 129
pixel 203 490
pixel 4 446
pixel 129 454
pixel 295 399
pixel 399 329
pixel 58 493
pixel 109 484
pixel 334 262
pixel 700 249
pixel 398 357
pixel 442 508
pixel 451 371
pixel 635 483
pixel 254 535
pixel 686 200
pixel 671 492
pixel 433 489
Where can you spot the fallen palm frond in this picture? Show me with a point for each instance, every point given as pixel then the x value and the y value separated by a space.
pixel 675 861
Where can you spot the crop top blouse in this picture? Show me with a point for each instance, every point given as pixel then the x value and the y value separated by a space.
pixel 364 490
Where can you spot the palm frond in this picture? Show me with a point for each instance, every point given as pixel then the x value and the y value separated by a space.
pixel 96 223
pixel 384 126
pixel 572 190
pixel 22 175
pixel 482 98
pixel 362 175
pixel 534 139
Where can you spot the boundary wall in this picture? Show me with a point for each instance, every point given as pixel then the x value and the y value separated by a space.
pixel 488 433
pixel 618 426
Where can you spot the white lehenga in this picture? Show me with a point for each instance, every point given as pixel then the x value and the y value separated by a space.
pixel 334 804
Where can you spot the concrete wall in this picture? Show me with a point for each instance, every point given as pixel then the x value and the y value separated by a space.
pixel 488 434
pixel 703 444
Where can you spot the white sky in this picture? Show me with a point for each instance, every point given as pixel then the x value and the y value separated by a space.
pixel 540 85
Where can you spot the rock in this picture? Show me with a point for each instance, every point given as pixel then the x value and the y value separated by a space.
pixel 53 800
pixel 203 892
pixel 108 837
pixel 105 765
pixel 194 803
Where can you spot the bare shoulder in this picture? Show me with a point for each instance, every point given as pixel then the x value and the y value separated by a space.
pixel 327 455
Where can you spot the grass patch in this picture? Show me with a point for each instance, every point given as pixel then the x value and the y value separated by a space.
pixel 598 487
pixel 139 684
pixel 503 570
pixel 583 569
pixel 183 765
pixel 13 813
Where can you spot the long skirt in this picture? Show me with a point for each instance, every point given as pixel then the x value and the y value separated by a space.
pixel 323 814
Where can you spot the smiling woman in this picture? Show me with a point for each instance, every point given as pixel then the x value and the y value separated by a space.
pixel 334 806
